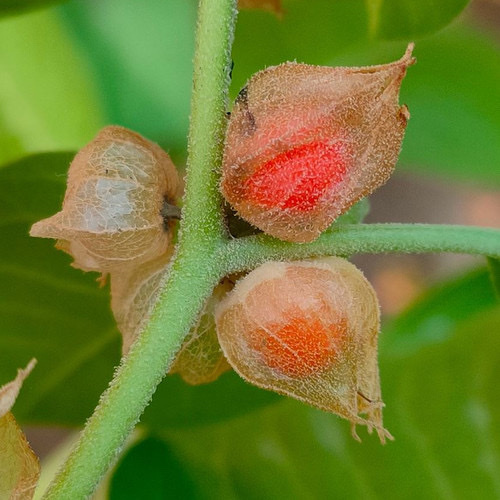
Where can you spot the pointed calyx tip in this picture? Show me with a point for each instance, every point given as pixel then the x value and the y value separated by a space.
pixel 408 58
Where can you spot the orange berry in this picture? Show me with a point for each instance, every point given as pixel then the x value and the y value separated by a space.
pixel 307 330
pixel 301 347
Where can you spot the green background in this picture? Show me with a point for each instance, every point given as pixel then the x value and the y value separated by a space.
pixel 69 69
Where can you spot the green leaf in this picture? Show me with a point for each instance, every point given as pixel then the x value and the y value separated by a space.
pixel 453 130
pixel 142 61
pixel 46 97
pixel 392 19
pixel 442 406
pixel 9 7
pixel 151 471
pixel 311 31
pixel 356 214
pixel 227 397
pixel 315 31
pixel 437 314
pixel 494 268
pixel 60 316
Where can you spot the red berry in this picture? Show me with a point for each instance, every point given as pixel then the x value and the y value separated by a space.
pixel 299 177
pixel 305 143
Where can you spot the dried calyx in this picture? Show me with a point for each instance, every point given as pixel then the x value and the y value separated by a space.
pixel 304 143
pixel 133 294
pixel 201 359
pixel 112 211
pixel 307 330
pixel 19 466
pixel 117 218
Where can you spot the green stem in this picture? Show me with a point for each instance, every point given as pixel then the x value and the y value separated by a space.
pixel 192 277
pixel 246 253
pixel 202 215
pixel 134 383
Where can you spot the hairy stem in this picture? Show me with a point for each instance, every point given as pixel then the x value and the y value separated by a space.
pixel 193 274
pixel 134 383
pixel 246 253
pixel 202 213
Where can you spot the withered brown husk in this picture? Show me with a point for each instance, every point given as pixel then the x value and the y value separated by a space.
pixel 111 216
pixel 304 143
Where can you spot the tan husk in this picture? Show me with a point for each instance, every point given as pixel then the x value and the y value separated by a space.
pixel 328 292
pixel 19 466
pixel 10 391
pixel 292 105
pixel 133 295
pixel 113 221
pixel 111 215
pixel 200 359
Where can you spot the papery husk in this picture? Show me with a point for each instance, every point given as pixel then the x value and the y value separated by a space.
pixel 201 359
pixel 355 110
pixel 133 295
pixel 331 291
pixel 19 466
pixel 111 216
pixel 10 391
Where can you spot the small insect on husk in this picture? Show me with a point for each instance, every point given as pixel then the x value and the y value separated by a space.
pixel 111 218
pixel 133 295
pixel 308 330
pixel 304 143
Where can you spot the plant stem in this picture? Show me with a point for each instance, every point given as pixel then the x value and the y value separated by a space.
pixel 202 216
pixel 192 276
pixel 246 253
pixel 133 384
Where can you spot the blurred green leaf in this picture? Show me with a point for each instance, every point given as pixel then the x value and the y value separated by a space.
pixel 454 126
pixel 49 310
pixel 46 95
pixel 9 7
pixel 494 268
pixel 151 471
pixel 314 31
pixel 311 31
pixel 60 316
pixel 442 406
pixel 437 314
pixel 356 214
pixel 403 19
pixel 177 405
pixel 141 54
